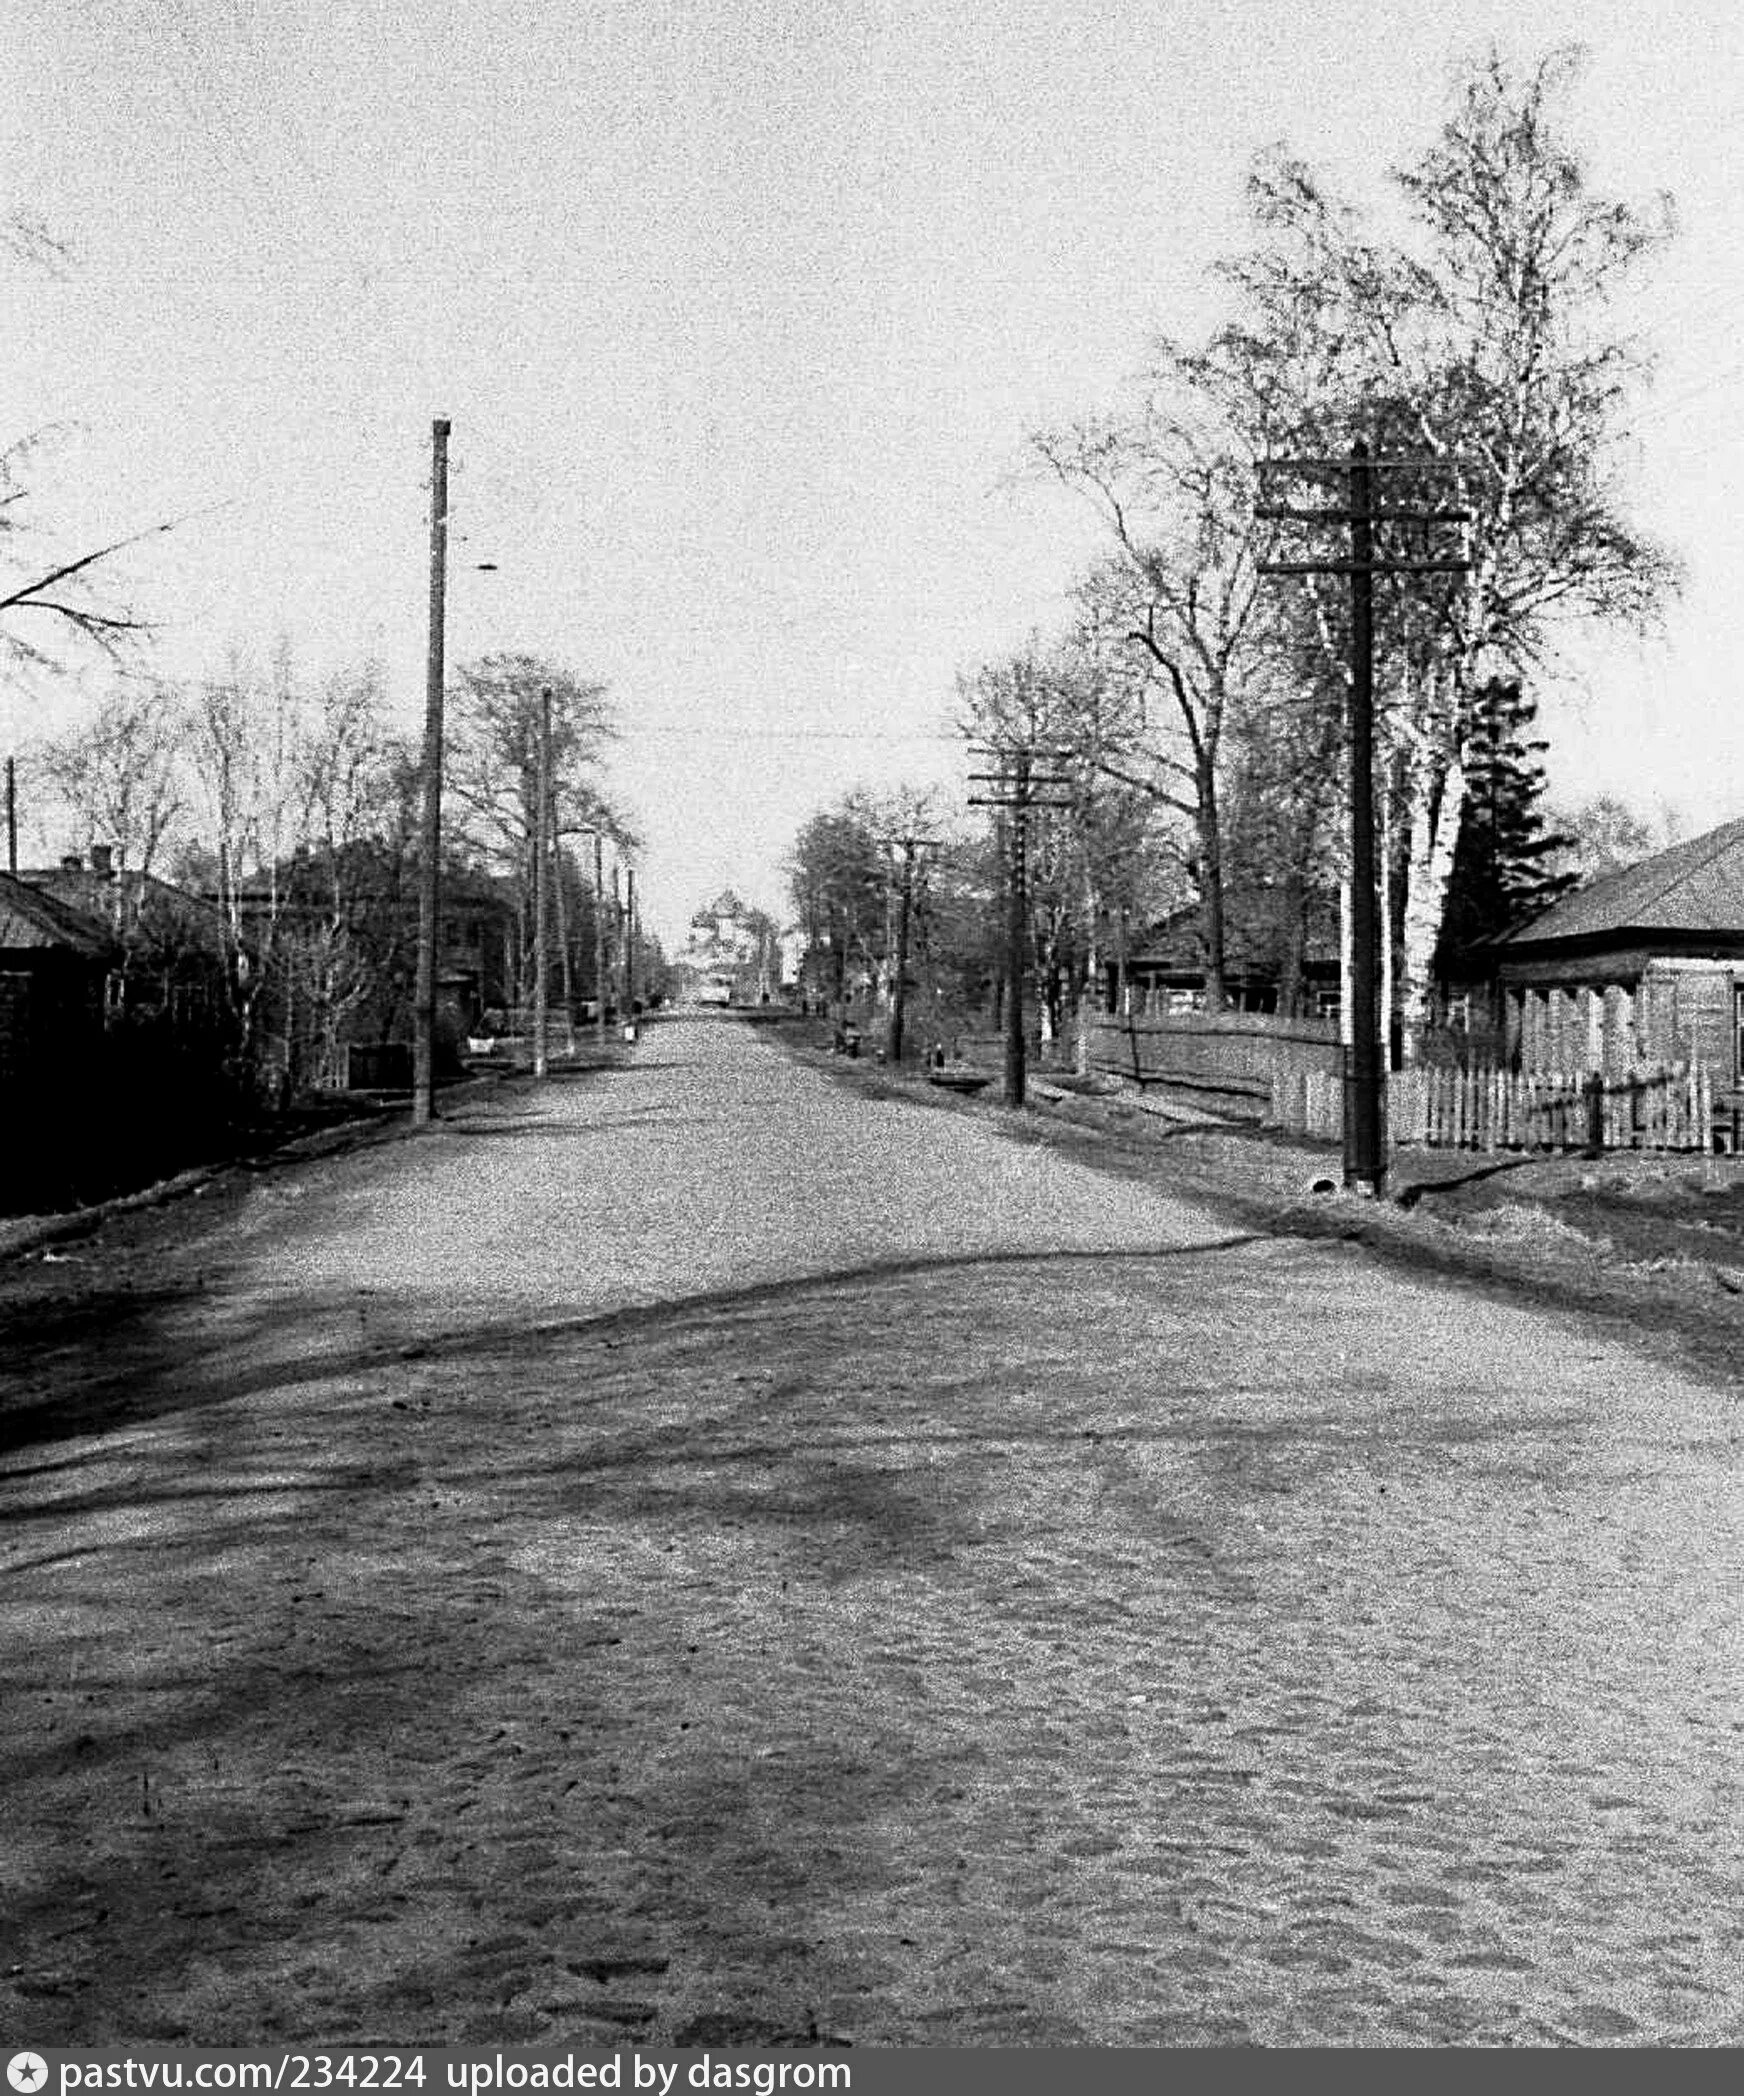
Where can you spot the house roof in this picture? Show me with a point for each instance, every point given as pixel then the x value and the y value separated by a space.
pixel 114 899
pixel 32 921
pixel 1250 944
pixel 1696 886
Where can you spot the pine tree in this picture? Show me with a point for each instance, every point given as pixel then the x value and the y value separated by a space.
pixel 1503 866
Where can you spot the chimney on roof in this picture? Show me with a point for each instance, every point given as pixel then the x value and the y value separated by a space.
pixel 103 861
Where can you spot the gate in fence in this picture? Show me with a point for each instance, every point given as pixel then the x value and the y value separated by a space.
pixel 1664 1106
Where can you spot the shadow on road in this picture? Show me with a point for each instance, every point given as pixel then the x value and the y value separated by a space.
pixel 820 1650
pixel 120 1356
pixel 1410 1196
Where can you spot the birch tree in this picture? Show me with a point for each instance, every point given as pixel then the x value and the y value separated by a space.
pixel 121 778
pixel 1480 337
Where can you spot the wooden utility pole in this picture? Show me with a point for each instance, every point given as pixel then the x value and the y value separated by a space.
pixel 12 815
pixel 599 940
pixel 1015 786
pixel 541 891
pixel 430 839
pixel 910 845
pixel 1365 1085
pixel 1365 1073
pixel 1017 932
pixel 617 941
pixel 629 953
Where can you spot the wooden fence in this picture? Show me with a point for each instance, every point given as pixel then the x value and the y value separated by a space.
pixel 1240 1053
pixel 1666 1106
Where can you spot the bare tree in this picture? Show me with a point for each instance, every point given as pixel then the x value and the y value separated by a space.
pixel 1093 854
pixel 46 593
pixel 1174 482
pixel 40 593
pixel 122 779
pixel 1603 834
pixel 492 770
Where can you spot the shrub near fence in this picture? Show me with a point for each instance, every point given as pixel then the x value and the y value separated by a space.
pixel 1667 1106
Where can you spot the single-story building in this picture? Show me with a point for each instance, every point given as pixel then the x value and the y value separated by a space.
pixel 54 963
pixel 1641 966
pixel 1163 972
pixel 173 946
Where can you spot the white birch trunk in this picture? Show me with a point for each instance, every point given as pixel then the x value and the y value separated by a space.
pixel 1346 962
pixel 1384 811
pixel 1431 868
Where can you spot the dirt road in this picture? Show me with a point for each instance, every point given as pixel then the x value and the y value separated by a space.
pixel 697 1554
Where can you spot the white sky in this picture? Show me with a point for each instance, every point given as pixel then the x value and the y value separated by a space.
pixel 741 312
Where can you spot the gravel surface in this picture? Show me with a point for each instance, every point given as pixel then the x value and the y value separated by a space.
pixel 703 1554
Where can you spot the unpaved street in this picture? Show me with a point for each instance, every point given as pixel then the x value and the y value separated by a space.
pixel 701 1554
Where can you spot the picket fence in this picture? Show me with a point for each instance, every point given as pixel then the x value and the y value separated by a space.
pixel 1663 1106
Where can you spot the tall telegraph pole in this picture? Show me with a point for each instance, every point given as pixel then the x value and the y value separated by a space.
pixel 430 841
pixel 1015 786
pixel 542 892
pixel 599 940
pixel 910 845
pixel 629 953
pixel 1365 1076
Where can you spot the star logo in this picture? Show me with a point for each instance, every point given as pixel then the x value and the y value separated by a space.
pixel 27 2072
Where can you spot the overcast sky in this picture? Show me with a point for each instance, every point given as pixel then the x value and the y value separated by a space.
pixel 741 310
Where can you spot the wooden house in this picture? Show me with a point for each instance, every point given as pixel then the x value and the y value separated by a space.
pixel 1162 974
pixel 1641 966
pixel 172 946
pixel 54 964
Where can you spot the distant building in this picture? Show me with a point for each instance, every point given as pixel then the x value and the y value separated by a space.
pixel 1163 970
pixel 731 956
pixel 347 959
